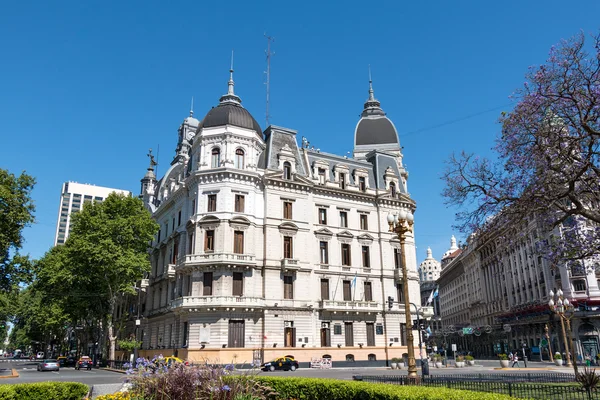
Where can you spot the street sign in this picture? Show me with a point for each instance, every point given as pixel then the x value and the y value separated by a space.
pixel 543 343
pixel 468 331
pixel 453 346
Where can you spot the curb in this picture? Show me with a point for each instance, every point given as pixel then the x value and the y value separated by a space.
pixel 113 370
pixel 14 374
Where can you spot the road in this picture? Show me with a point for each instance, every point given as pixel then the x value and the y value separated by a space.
pixel 108 381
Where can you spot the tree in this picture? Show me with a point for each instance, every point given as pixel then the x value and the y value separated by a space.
pixel 105 255
pixel 548 161
pixel 16 212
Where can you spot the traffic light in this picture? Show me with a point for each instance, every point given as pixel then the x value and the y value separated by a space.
pixel 390 302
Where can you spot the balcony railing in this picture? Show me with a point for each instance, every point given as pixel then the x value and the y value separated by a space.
pixel 170 272
pixel 144 283
pixel 290 263
pixel 218 258
pixel 350 305
pixel 218 301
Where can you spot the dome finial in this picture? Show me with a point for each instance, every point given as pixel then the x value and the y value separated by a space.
pixel 372 105
pixel 192 107
pixel 230 97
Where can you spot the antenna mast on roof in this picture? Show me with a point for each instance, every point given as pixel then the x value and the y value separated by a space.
pixel 268 83
pixel 157 153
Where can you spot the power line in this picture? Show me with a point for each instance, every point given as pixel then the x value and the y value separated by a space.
pixel 453 121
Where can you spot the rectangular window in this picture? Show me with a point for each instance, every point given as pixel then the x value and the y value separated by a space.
pixel 342 181
pixel 239 203
pixel 343 219
pixel 362 184
pixel 209 241
pixel 237 333
pixel 185 334
pixel 397 261
pixel 337 329
pixel 346 254
pixel 158 238
pixel 324 252
pixel 323 216
pixel 347 285
pixel 238 284
pixel 364 225
pixel 175 251
pixel 238 242
pixel 191 243
pixel 287 210
pixel 324 289
pixel 402 334
pixel 370 334
pixel 207 282
pixel 193 207
pixel 366 258
pixel 399 292
pixel 288 251
pixel 212 203
pixel 322 176
pixel 368 291
pixel 349 333
pixel 288 287
pixel 179 218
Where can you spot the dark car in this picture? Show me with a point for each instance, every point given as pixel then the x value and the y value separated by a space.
pixel 84 362
pixel 65 361
pixel 281 363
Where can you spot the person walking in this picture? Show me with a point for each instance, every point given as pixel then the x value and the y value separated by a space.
pixel 516 360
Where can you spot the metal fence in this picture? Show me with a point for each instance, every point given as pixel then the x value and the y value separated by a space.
pixel 521 386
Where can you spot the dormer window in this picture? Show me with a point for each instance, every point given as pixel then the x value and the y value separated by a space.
pixel 287 171
pixel 342 181
pixel 393 189
pixel 322 176
pixel 362 184
pixel 215 158
pixel 239 159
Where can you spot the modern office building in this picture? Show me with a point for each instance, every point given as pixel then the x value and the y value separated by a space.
pixel 270 248
pixel 72 198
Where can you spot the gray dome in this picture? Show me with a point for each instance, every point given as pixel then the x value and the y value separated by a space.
pixel 231 114
pixel 375 130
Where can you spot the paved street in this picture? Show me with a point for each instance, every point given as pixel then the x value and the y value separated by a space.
pixel 109 382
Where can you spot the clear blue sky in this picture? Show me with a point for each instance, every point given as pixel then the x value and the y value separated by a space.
pixel 86 87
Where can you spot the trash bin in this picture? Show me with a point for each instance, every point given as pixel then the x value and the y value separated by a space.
pixel 425 367
pixel 587 363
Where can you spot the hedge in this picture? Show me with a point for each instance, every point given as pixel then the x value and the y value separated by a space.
pixel 333 389
pixel 44 390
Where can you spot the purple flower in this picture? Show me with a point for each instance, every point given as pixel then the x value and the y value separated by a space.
pixel 229 367
pixel 226 388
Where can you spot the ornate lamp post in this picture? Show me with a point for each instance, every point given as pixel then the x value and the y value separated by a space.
pixel 564 309
pixel 402 224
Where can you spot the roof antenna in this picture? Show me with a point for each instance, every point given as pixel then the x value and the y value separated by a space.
pixel 268 83
pixel 371 96
pixel 192 108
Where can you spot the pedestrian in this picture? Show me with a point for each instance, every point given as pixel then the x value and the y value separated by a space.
pixel 516 360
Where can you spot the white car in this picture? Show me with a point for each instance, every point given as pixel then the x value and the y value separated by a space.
pixel 39 355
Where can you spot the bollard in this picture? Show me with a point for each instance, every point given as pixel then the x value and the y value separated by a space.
pixel 425 367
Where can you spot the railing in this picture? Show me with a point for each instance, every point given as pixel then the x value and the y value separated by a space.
pixel 217 301
pixel 170 272
pixel 213 258
pixel 144 283
pixel 290 263
pixel 350 305
pixel 515 385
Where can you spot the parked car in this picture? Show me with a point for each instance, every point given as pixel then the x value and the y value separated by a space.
pixel 48 365
pixel 281 363
pixel 84 362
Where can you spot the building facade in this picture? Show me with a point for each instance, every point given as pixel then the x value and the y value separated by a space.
pixel 72 198
pixel 269 248
pixel 499 287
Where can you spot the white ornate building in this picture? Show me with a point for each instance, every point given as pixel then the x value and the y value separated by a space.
pixel 267 248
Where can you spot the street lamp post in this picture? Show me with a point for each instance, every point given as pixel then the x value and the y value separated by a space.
pixel 564 309
pixel 402 224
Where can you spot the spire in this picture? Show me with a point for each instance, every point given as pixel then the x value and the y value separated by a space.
pixel 372 105
pixel 230 97
pixel 429 254
pixel 192 107
pixel 453 245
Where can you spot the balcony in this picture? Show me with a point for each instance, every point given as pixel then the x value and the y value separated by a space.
pixel 398 274
pixel 218 301
pixel 206 259
pixel 333 305
pixel 170 272
pixel 290 263
pixel 144 283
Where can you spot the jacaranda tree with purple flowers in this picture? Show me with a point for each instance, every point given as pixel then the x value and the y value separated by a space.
pixel 548 162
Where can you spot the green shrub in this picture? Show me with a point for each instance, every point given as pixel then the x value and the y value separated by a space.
pixel 557 356
pixel 469 358
pixel 503 356
pixel 460 358
pixel 333 389
pixel 44 390
pixel 397 360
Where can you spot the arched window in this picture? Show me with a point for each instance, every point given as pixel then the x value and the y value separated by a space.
pixel 239 159
pixel 215 158
pixel 350 357
pixel 287 170
pixel 372 357
pixel 393 189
